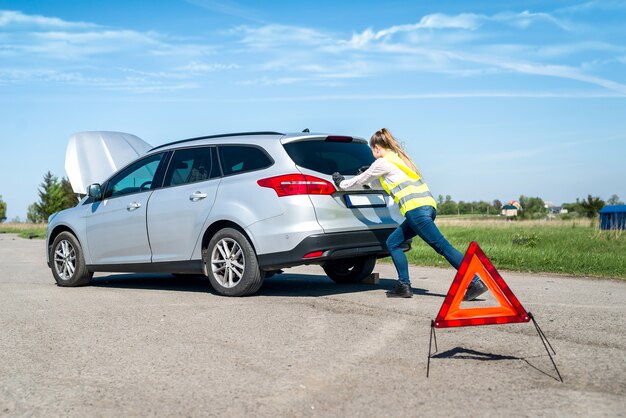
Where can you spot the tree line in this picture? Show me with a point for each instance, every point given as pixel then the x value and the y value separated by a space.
pixel 529 207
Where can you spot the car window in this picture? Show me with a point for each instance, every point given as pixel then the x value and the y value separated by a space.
pixel 191 165
pixel 237 159
pixel 135 178
pixel 327 157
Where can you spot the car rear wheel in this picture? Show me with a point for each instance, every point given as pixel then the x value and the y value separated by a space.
pixel 232 264
pixel 68 262
pixel 349 270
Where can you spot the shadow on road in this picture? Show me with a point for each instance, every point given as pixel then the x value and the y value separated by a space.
pixel 320 285
pixel 296 285
pixel 468 354
pixel 153 282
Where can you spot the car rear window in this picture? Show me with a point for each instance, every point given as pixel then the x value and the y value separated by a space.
pixel 238 159
pixel 328 157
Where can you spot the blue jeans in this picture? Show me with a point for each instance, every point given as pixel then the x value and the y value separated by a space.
pixel 420 221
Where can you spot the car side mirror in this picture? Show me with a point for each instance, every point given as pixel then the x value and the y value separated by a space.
pixel 95 191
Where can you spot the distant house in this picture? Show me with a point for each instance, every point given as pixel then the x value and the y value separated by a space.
pixel 515 203
pixel 553 209
pixel 613 217
pixel 509 211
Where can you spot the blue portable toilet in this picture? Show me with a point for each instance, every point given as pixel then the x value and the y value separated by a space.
pixel 613 217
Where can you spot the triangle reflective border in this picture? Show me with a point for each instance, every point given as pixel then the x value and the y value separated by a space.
pixel 452 315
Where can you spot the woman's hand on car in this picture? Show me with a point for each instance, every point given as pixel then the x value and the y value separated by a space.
pixel 338 178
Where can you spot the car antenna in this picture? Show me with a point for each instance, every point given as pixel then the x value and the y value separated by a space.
pixel 306 130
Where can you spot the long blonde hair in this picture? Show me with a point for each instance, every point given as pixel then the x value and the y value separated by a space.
pixel 384 139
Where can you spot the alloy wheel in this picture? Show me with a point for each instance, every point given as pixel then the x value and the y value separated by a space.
pixel 65 259
pixel 227 262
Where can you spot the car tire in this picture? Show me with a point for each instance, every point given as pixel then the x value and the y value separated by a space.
pixel 68 262
pixel 349 270
pixel 232 264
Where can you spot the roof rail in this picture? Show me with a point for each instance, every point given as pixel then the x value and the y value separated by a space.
pixel 218 136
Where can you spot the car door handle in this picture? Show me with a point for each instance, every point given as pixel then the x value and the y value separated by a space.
pixel 133 206
pixel 195 196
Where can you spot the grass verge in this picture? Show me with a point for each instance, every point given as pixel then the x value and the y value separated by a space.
pixel 577 248
pixel 24 230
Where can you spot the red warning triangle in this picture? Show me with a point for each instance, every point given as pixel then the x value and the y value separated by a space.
pixel 452 315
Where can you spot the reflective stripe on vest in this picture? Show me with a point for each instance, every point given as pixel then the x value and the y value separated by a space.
pixel 409 193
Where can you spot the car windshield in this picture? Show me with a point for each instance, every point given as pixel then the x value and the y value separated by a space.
pixel 327 157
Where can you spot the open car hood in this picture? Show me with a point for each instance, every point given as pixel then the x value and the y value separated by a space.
pixel 91 157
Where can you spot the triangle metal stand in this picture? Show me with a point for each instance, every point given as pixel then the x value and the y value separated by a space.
pixel 542 337
pixel 432 334
pixel 546 343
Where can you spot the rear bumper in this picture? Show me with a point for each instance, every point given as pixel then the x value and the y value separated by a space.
pixel 333 246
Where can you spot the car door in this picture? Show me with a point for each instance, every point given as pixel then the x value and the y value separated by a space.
pixel 178 211
pixel 116 225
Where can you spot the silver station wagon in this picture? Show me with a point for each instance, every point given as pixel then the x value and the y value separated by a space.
pixel 236 208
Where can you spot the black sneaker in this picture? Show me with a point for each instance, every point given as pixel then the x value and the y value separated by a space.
pixel 400 290
pixel 475 289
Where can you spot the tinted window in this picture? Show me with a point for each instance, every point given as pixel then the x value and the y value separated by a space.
pixel 135 178
pixel 192 165
pixel 328 157
pixel 240 158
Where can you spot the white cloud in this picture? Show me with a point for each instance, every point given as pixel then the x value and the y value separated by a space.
pixel 56 39
pixel 40 75
pixel 462 21
pixel 466 21
pixel 269 81
pixel 74 45
pixel 560 71
pixel 274 36
pixel 525 19
pixel 17 18
pixel 139 83
pixel 202 67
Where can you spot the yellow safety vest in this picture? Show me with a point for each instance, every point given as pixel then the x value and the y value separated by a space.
pixel 409 193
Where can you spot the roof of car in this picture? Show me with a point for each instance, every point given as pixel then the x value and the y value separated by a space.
pixel 233 136
pixel 261 133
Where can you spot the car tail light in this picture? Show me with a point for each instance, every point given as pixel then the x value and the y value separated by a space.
pixel 314 254
pixel 294 184
pixel 337 138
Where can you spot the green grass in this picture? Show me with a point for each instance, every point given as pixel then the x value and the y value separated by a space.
pixel 29 231
pixel 575 248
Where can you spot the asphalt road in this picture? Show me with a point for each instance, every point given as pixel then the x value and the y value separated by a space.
pixel 155 345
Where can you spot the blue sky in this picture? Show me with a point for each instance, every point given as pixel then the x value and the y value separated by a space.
pixel 493 99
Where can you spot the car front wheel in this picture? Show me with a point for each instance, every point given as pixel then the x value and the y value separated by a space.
pixel 232 264
pixel 349 270
pixel 68 262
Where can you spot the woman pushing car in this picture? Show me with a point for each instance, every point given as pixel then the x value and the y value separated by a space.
pixel 401 179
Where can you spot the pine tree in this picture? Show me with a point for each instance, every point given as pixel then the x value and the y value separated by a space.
pixel 54 196
pixel 69 197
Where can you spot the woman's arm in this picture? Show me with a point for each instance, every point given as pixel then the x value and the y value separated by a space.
pixel 377 169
